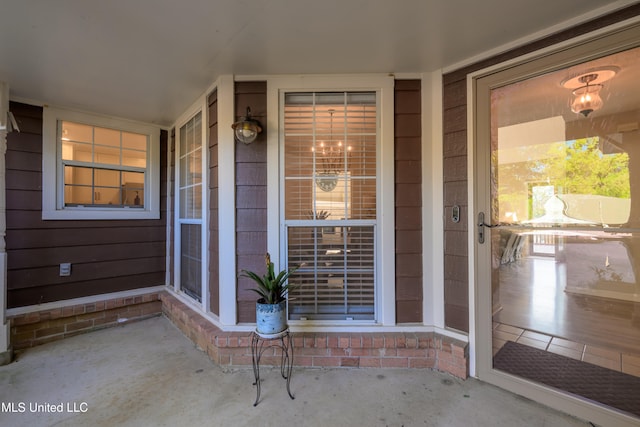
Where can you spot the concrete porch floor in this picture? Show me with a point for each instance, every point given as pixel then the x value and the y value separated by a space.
pixel 149 374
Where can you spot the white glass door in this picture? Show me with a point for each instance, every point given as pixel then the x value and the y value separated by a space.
pixel 558 230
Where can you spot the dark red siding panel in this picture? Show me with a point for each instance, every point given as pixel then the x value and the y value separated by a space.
pixel 63 291
pixel 408 311
pixel 106 256
pixel 214 228
pixel 408 193
pixel 29 119
pixel 409 148
pixel 454 156
pixel 251 195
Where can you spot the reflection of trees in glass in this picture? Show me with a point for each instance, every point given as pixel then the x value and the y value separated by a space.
pixel 540 194
pixel 586 170
pixel 572 167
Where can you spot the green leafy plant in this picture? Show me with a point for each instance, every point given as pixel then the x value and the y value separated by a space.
pixel 271 288
pixel 318 214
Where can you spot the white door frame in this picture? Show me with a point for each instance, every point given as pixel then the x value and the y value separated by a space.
pixel 614 38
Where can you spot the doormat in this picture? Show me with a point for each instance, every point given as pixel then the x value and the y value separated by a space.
pixel 612 388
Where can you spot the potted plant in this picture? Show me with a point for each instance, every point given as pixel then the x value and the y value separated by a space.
pixel 271 307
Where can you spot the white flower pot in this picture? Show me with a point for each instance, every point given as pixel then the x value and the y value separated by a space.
pixel 271 318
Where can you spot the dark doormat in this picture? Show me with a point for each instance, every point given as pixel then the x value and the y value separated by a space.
pixel 612 388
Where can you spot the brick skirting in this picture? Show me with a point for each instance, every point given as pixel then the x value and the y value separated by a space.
pixel 322 349
pixel 39 327
pixel 312 349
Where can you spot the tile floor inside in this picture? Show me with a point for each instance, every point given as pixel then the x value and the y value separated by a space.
pixel 607 358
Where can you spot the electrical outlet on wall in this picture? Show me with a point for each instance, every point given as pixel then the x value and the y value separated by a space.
pixel 65 269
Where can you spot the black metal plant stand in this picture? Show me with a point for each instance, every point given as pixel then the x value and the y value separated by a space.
pixel 261 342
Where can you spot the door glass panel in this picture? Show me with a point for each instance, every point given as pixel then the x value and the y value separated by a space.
pixel 565 191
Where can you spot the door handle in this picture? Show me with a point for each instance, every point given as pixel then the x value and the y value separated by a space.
pixel 481 227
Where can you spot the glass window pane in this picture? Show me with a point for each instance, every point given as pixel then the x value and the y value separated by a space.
pixel 183 140
pixel 362 156
pixel 336 277
pixel 134 158
pixel 77 132
pixel 74 175
pixel 190 182
pixel 133 196
pixel 191 202
pixel 107 178
pixel 133 178
pixel 336 202
pixel 108 196
pixel 78 195
pixel 363 199
pixel 299 203
pixel 191 260
pixel 185 177
pixel 134 141
pixel 77 151
pixel 299 155
pixel 103 136
pixel 106 155
pixel 195 166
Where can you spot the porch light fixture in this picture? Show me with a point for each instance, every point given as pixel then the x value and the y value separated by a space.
pixel 586 89
pixel 246 129
pixel 587 98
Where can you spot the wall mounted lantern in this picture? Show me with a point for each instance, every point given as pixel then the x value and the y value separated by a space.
pixel 246 129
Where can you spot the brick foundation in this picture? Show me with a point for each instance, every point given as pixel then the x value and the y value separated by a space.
pixel 321 349
pixel 312 349
pixel 39 327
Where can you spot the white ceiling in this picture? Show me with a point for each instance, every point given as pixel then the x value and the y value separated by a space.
pixel 149 60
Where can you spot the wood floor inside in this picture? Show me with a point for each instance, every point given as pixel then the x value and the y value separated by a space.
pixel 535 308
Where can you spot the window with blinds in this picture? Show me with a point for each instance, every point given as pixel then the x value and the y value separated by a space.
pixel 330 203
pixel 190 200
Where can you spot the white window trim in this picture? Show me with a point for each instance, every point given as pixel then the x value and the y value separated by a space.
pixel 226 202
pixel 385 238
pixel 52 186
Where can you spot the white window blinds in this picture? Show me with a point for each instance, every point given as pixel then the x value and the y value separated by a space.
pixel 330 203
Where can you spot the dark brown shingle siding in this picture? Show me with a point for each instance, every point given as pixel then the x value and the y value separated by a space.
pixel 408 195
pixel 251 195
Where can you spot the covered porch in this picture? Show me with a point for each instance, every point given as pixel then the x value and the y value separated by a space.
pixel 149 373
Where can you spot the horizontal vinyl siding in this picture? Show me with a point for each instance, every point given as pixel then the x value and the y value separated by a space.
pixel 408 210
pixel 251 196
pixel 106 256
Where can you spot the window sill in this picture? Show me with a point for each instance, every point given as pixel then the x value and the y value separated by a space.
pixel 99 214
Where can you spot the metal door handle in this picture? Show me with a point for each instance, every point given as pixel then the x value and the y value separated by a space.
pixel 481 227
